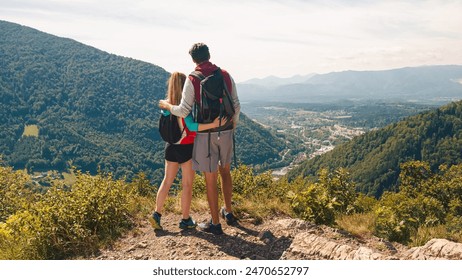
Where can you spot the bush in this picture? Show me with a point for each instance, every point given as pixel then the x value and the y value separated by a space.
pixel 364 203
pixel 14 195
pixel 454 224
pixel 340 188
pixel 65 223
pixel 320 202
pixel 245 182
pixel 388 225
pixel 199 189
pixel 421 203
pixel 142 185
pixel 314 204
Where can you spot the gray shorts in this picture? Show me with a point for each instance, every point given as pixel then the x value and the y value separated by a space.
pixel 221 150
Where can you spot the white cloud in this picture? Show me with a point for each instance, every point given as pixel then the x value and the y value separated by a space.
pixel 258 38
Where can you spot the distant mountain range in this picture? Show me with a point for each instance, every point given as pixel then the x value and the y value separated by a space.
pixel 373 158
pixel 89 109
pixel 273 81
pixel 426 84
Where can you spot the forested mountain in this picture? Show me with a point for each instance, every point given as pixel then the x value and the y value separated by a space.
pixel 93 110
pixel 427 84
pixel 374 157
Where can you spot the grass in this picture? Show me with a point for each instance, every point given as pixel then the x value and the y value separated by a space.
pixel 360 225
pixel 424 234
pixel 31 130
pixel 259 208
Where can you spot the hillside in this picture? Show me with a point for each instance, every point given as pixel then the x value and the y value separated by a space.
pixel 373 158
pixel 426 84
pixel 88 108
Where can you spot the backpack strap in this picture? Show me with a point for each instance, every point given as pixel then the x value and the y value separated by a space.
pixel 234 149
pixel 184 127
pixel 197 74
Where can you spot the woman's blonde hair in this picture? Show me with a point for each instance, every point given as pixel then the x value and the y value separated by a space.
pixel 175 87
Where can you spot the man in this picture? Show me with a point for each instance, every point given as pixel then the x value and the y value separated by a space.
pixel 212 150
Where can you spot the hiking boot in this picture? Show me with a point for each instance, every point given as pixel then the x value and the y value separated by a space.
pixel 155 221
pixel 211 228
pixel 229 217
pixel 187 224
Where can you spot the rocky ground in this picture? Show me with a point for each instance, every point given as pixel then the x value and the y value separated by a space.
pixel 278 238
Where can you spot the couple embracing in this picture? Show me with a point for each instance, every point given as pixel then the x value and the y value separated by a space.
pixel 207 122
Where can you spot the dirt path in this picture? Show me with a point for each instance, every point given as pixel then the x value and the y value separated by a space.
pixel 274 239
pixel 244 241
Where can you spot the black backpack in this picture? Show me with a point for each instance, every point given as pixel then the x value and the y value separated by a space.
pixel 214 98
pixel 169 128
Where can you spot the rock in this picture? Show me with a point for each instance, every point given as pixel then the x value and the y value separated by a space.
pixel 143 244
pixel 266 236
pixel 132 248
pixel 294 224
pixel 436 249
pixel 310 246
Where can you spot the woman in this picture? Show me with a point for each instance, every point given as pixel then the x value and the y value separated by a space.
pixel 179 155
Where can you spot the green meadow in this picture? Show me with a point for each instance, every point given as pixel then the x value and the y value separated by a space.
pixel 31 130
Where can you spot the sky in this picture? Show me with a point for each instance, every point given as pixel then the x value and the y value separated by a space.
pixel 257 38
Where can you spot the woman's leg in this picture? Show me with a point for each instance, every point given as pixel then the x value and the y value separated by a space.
pixel 171 169
pixel 187 183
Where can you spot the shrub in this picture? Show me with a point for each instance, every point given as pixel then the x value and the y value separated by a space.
pixel 320 202
pixel 340 188
pixel 388 225
pixel 364 203
pixel 72 222
pixel 14 195
pixel 314 204
pixel 245 182
pixel 142 185
pixel 454 224
pixel 199 189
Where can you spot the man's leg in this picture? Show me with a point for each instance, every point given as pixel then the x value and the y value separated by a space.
pixel 212 195
pixel 227 186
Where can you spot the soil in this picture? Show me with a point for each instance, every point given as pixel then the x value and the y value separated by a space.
pixel 268 240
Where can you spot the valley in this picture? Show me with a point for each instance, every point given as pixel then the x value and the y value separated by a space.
pixel 312 129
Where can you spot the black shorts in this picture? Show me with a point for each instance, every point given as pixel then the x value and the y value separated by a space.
pixel 178 153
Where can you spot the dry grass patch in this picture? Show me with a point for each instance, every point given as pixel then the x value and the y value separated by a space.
pixel 424 234
pixel 360 225
pixel 31 130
